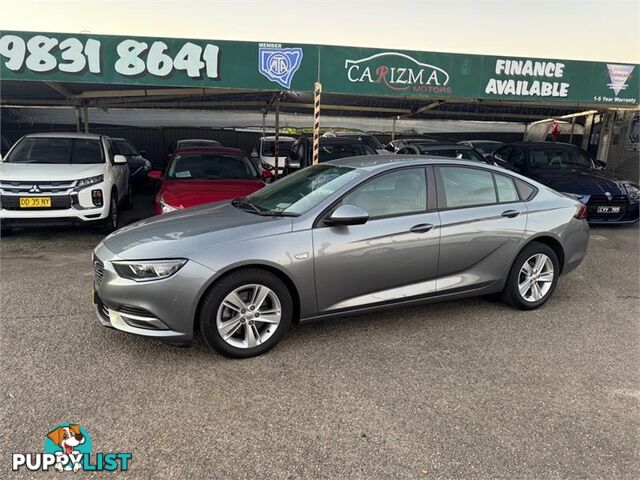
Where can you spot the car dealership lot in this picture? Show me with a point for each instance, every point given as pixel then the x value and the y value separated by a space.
pixel 451 390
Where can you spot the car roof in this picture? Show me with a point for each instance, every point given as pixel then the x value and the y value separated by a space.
pixel 227 150
pixel 543 144
pixel 444 146
pixel 280 138
pixel 414 140
pixel 197 140
pixel 386 162
pixel 481 141
pixel 85 136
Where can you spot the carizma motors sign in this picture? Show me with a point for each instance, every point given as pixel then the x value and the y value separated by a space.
pixel 398 72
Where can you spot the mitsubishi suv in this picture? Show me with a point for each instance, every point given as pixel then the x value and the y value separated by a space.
pixel 61 178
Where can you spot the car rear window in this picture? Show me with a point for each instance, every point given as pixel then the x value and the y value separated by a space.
pixel 344 150
pixel 57 151
pixel 211 167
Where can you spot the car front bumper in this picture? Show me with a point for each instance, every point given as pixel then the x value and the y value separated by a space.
pixel 163 309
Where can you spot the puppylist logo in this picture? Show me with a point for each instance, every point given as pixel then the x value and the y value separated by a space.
pixel 67 448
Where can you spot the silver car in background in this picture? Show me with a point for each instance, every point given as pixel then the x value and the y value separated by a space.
pixel 346 236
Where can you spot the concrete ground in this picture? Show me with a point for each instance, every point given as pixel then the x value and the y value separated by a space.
pixel 468 389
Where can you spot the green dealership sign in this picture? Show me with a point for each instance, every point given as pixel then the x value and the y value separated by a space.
pixel 172 62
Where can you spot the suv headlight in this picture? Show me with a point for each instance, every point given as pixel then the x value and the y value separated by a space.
pixel 632 191
pixel 85 182
pixel 144 271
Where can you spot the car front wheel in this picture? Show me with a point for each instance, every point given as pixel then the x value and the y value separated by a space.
pixel 246 313
pixel 533 277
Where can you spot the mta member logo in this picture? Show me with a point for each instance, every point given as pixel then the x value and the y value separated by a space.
pixel 67 448
pixel 619 74
pixel 399 72
pixel 279 64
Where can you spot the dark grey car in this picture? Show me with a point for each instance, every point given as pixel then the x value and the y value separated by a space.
pixel 346 236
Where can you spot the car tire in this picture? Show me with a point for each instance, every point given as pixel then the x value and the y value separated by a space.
pixel 128 199
pixel 110 224
pixel 530 284
pixel 246 334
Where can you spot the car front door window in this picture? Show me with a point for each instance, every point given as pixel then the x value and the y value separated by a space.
pixel 397 193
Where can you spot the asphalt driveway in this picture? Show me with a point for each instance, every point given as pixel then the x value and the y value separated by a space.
pixel 469 389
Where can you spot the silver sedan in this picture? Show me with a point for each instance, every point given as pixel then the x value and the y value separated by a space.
pixel 343 237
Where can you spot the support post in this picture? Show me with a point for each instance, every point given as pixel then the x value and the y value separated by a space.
pixel 264 127
pixel 78 120
pixel 277 136
pixel 393 129
pixel 85 114
pixel 573 124
pixel 317 92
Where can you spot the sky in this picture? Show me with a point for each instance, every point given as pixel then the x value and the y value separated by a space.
pixel 601 30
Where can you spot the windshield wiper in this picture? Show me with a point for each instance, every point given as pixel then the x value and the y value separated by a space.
pixel 274 213
pixel 241 203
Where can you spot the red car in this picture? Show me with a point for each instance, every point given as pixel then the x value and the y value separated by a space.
pixel 204 175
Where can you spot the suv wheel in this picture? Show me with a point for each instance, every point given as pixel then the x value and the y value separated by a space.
pixel 111 222
pixel 128 199
pixel 533 277
pixel 246 313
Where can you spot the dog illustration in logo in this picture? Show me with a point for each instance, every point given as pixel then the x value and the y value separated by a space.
pixel 67 438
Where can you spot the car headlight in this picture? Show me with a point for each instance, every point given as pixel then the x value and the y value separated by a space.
pixel 85 182
pixel 144 271
pixel 632 191
pixel 165 207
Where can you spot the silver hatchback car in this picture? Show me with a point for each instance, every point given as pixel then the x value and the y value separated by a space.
pixel 346 236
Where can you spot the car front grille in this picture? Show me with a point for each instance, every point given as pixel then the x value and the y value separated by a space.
pixel 98 272
pixel 596 201
pixel 37 187
pixel 58 202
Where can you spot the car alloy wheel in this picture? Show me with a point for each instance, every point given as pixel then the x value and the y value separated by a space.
pixel 249 316
pixel 536 277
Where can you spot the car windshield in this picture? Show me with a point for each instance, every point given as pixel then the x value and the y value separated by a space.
pixel 369 140
pixel 211 166
pixel 548 158
pixel 183 144
pixel 343 150
pixel 57 151
pixel 458 153
pixel 268 148
pixel 126 149
pixel 300 191
pixel 486 147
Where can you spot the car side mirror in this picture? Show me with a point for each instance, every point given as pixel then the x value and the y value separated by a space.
pixel 347 215
pixel 600 164
pixel 155 174
pixel 119 159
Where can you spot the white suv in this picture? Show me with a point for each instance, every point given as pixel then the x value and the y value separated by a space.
pixel 59 178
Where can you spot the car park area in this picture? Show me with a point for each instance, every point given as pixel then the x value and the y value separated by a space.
pixel 220 190
pixel 449 390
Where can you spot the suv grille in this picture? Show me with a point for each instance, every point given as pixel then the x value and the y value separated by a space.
pixel 98 271
pixel 596 201
pixel 36 187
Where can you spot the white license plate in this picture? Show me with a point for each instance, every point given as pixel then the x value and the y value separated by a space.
pixel 608 210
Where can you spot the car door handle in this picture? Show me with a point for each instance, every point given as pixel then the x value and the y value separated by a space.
pixel 421 228
pixel 510 213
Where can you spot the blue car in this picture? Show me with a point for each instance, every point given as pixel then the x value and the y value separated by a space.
pixel 569 169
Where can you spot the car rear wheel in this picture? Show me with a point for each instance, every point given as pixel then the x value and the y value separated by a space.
pixel 246 313
pixel 533 277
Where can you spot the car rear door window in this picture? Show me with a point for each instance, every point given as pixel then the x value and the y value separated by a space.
pixel 467 187
pixel 395 193
pixel 506 189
